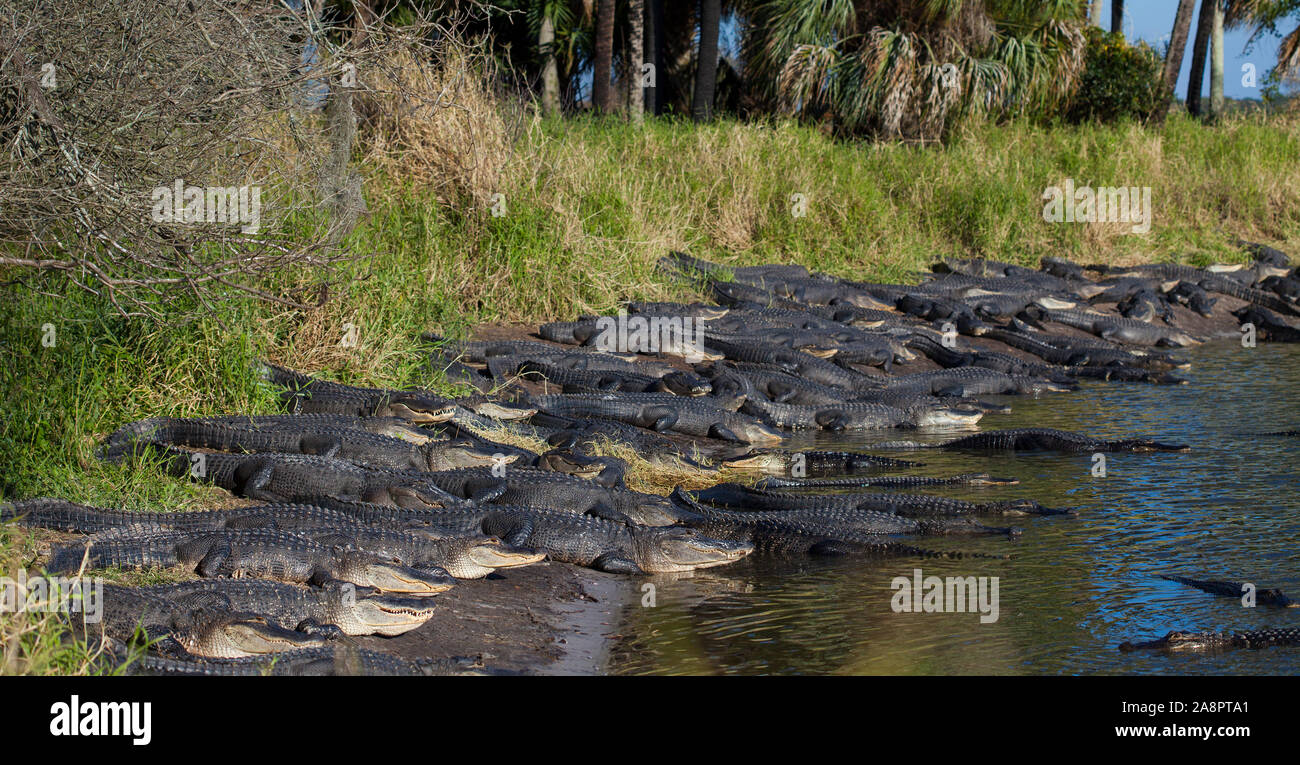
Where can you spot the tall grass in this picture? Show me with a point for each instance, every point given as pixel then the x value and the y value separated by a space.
pixel 589 206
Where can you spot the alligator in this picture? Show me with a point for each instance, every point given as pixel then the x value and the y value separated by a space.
pixel 856 416
pixel 738 497
pixel 971 381
pixel 661 412
pixel 804 365
pixel 776 384
pixel 1038 439
pixel 606 471
pixel 266 553
pixel 611 546
pixel 1146 305
pixel 334 607
pixel 70 517
pixel 815 463
pixel 1267 597
pixel 1268 325
pixel 273 477
pixel 891 481
pixel 782 534
pixel 305 394
pixel 595 381
pixel 124 613
pixel 314 437
pixel 1193 296
pixel 528 487
pixel 463 556
pixel 1214 641
pixel 393 427
pixel 1110 327
pixel 336 660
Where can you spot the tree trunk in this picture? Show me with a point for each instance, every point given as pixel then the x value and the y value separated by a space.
pixel 706 65
pixel 602 94
pixel 1178 43
pixel 1195 83
pixel 1216 63
pixel 654 53
pixel 636 50
pixel 550 75
pixel 1117 16
pixel 1094 15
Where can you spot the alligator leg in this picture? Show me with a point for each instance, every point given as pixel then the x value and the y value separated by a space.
pixel 324 446
pixel 717 430
pixel 327 631
pixel 256 485
pixel 616 563
pixel 217 562
pixel 661 418
pixel 602 510
pixel 832 420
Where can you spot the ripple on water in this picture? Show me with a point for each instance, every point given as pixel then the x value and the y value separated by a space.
pixel 1076 587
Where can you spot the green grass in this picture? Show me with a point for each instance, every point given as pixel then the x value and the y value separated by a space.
pixel 591 204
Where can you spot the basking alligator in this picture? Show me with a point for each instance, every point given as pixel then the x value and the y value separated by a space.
pixel 275 477
pixel 815 463
pixel 662 412
pixel 307 395
pixel 463 556
pixel 855 416
pixel 1039 439
pixel 202 631
pixel 1215 641
pixel 337 660
pixel 890 481
pixel 315 436
pixel 1268 597
pixel 334 607
pixel 612 546
pixel 254 552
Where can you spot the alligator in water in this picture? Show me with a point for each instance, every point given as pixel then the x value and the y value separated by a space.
pixel 1267 597
pixel 888 481
pixel 1215 641
pixel 737 497
pixel 334 607
pixel 612 546
pixel 789 534
pixel 662 412
pixel 1038 439
pixel 265 553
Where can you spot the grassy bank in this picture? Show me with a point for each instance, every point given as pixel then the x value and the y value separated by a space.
pixel 588 208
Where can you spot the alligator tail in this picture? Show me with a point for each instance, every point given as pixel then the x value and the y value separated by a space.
pixel 922 552
pixel 281 376
pixel 140 430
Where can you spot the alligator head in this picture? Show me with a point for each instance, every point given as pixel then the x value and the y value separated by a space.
pixel 1181 641
pixel 483 555
pixel 228 635
pixel 947 417
pixel 463 453
pixel 390 576
pixel 773 463
pixel 365 611
pixel 417 407
pixel 661 551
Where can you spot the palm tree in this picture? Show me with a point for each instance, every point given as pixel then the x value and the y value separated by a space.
pixel 1216 62
pixel 909 69
pixel 706 65
pixel 653 47
pixel 1116 16
pixel 1265 16
pixel 602 95
pixel 1177 45
pixel 636 52
pixel 1094 14
pixel 1204 30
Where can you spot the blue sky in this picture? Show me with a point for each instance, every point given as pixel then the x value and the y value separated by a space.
pixel 1153 20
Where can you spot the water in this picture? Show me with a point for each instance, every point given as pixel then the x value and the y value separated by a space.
pixel 1076 586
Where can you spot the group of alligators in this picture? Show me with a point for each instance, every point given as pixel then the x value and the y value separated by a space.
pixel 371 501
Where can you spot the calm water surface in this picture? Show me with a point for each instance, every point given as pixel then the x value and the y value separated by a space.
pixel 1076 587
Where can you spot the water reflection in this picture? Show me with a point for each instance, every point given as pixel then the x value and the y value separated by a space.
pixel 1076 586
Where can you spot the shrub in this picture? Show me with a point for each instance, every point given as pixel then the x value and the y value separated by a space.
pixel 1120 81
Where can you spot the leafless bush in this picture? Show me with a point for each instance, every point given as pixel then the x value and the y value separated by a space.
pixel 108 110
